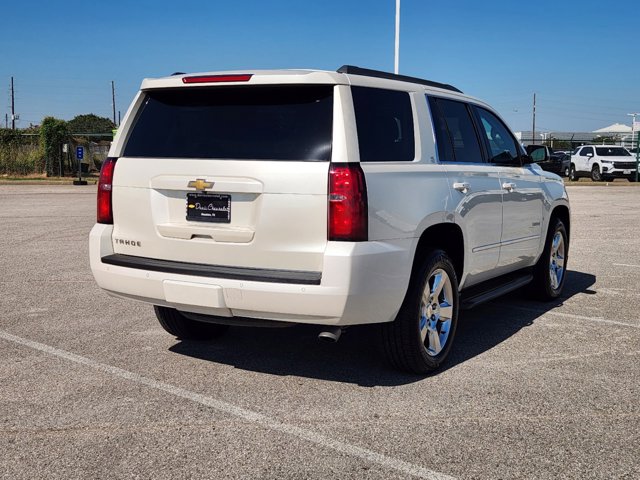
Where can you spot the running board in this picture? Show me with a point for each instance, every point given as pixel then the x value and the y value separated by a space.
pixel 497 287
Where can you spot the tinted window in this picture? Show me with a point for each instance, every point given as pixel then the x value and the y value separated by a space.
pixel 443 142
pixel 612 152
pixel 585 151
pixel 269 123
pixel 384 120
pixel 499 142
pixel 460 133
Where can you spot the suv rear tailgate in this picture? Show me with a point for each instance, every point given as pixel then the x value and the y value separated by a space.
pixel 278 212
pixel 227 176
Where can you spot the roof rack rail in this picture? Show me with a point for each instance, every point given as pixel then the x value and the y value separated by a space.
pixel 353 70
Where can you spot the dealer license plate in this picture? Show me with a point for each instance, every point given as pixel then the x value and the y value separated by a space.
pixel 626 172
pixel 208 207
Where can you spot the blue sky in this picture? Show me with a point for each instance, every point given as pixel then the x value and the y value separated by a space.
pixel 582 58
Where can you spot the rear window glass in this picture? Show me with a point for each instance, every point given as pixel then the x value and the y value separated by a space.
pixel 385 125
pixel 612 152
pixel 249 123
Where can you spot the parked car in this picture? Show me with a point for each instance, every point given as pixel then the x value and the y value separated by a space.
pixel 564 159
pixel 602 162
pixel 327 198
pixel 547 159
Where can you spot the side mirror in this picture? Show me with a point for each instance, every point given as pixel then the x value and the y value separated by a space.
pixel 526 159
pixel 589 155
pixel 538 153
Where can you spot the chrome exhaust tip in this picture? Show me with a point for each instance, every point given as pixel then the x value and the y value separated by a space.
pixel 332 335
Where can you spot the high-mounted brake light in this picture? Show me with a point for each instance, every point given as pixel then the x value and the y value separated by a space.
pixel 105 186
pixel 348 211
pixel 245 77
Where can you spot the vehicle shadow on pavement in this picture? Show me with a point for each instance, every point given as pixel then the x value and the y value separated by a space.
pixel 357 358
pixel 488 325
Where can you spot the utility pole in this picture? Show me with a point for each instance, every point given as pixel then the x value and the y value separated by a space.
pixel 113 100
pixel 633 127
pixel 396 67
pixel 533 132
pixel 13 107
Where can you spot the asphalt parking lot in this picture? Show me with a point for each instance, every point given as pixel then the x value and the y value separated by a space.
pixel 92 387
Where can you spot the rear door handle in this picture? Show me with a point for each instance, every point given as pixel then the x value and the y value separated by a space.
pixel 509 187
pixel 461 187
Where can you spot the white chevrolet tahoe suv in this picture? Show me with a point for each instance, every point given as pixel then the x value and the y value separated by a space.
pixel 602 162
pixel 327 198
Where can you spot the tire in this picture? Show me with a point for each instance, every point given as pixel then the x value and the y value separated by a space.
pixel 572 173
pixel 186 329
pixel 595 174
pixel 565 173
pixel 550 271
pixel 420 337
pixel 632 178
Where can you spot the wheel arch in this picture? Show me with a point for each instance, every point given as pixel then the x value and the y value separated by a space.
pixel 443 236
pixel 562 212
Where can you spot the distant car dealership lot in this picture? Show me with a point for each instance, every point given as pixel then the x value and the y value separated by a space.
pixel 93 388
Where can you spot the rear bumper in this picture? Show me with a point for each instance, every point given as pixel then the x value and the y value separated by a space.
pixel 362 282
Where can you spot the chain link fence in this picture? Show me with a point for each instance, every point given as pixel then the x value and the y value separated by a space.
pixel 22 154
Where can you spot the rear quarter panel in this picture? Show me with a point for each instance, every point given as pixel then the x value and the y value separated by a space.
pixel 405 198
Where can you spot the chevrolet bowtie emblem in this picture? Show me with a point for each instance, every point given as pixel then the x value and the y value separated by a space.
pixel 200 184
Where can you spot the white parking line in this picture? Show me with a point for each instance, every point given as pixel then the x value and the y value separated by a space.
pixel 577 317
pixel 242 413
pixel 626 265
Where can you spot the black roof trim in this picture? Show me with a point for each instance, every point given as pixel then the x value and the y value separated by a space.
pixel 353 70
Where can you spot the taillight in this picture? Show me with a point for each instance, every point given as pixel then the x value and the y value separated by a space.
pixel 243 77
pixel 348 217
pixel 105 185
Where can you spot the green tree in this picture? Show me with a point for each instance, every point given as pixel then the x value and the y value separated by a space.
pixel 90 123
pixel 53 133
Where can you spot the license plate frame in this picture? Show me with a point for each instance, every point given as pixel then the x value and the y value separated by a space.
pixel 208 207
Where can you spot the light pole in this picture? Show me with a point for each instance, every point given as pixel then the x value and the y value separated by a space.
pixel 396 63
pixel 633 127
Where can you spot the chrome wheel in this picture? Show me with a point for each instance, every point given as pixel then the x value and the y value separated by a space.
pixel 556 263
pixel 436 312
pixel 421 336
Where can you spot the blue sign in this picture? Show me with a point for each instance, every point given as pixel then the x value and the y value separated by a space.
pixel 79 153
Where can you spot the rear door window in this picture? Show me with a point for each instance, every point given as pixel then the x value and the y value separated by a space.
pixel 455 133
pixel 250 123
pixel 384 120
